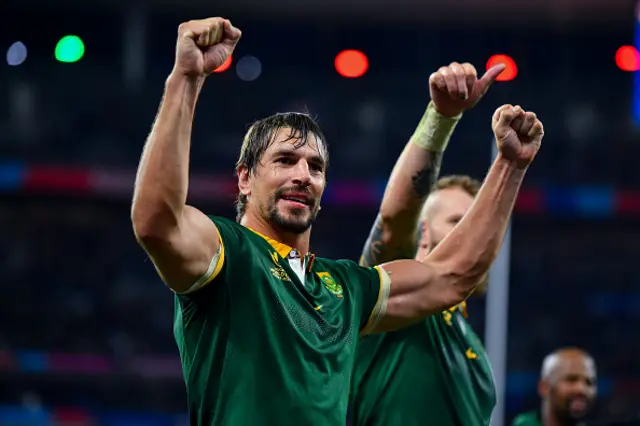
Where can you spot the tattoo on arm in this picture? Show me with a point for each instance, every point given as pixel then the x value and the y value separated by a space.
pixel 376 251
pixel 424 179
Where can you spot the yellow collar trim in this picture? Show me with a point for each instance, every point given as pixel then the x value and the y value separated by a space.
pixel 282 249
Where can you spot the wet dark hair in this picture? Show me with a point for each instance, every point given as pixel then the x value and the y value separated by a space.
pixel 262 134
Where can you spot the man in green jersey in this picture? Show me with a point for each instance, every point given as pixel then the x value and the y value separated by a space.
pixel 267 332
pixel 437 369
pixel 567 388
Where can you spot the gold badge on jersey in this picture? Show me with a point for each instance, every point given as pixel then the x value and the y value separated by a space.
pixel 471 354
pixel 278 271
pixel 331 284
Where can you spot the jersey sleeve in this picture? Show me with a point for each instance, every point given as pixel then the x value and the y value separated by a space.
pixel 372 286
pixel 229 237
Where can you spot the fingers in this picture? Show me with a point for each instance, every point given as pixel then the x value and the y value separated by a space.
pixel 207 32
pixel 527 123
pixel 537 130
pixel 524 123
pixel 437 81
pixel 450 81
pixel 231 32
pixel 517 122
pixel 471 76
pixel 456 79
pixel 498 113
pixel 461 80
pixel 504 116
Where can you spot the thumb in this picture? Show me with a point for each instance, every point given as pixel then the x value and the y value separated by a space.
pixel 490 77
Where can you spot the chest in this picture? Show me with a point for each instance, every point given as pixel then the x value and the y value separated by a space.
pixel 293 296
pixel 462 353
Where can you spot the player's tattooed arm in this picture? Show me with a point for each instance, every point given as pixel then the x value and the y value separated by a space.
pixel 423 180
pixel 453 89
pixel 459 264
pixel 387 242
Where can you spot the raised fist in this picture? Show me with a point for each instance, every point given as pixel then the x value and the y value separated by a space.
pixel 204 45
pixel 456 88
pixel 518 134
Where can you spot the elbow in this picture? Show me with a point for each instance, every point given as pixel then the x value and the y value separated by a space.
pixel 461 280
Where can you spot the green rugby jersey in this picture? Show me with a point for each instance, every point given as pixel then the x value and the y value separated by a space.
pixel 434 372
pixel 527 419
pixel 271 340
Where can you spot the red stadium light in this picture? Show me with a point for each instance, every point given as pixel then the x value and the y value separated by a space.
pixel 351 63
pixel 511 70
pixel 628 58
pixel 225 65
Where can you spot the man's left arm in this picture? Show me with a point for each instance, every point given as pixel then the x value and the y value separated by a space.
pixel 453 89
pixel 410 290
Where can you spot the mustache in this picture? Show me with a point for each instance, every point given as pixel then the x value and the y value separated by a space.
pixel 296 189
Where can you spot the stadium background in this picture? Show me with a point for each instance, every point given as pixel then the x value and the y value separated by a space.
pixel 86 326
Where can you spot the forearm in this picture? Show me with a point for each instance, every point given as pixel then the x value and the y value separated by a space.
pixel 163 175
pixel 454 269
pixel 467 253
pixel 393 235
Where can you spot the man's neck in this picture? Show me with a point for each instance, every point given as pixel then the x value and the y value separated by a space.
pixel 299 242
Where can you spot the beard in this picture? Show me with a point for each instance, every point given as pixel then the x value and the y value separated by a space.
pixel 298 220
pixel 568 416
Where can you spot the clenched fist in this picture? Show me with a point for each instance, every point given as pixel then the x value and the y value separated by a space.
pixel 518 134
pixel 456 88
pixel 204 45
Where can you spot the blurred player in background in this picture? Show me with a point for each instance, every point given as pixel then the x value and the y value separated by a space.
pixel 436 370
pixel 266 332
pixel 567 389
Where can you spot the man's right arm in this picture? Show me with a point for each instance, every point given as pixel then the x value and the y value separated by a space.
pixel 182 242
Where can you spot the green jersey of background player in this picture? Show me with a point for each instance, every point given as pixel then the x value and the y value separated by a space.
pixel 437 369
pixel 567 389
pixel 266 332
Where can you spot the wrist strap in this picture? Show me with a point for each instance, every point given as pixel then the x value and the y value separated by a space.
pixel 434 130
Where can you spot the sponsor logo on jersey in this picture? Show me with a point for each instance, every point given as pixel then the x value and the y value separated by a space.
pixel 278 271
pixel 331 284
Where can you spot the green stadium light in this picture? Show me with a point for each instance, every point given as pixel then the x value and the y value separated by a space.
pixel 69 49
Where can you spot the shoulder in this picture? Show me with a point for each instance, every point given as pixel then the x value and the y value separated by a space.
pixel 232 232
pixel 526 419
pixel 224 224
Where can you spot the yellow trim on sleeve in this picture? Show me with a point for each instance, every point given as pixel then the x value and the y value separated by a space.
pixel 380 308
pixel 215 266
pixel 218 267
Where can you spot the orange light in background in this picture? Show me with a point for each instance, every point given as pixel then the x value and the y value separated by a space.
pixel 628 58
pixel 351 63
pixel 511 70
pixel 225 65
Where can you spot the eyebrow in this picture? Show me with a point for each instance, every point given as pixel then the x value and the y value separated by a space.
pixel 288 152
